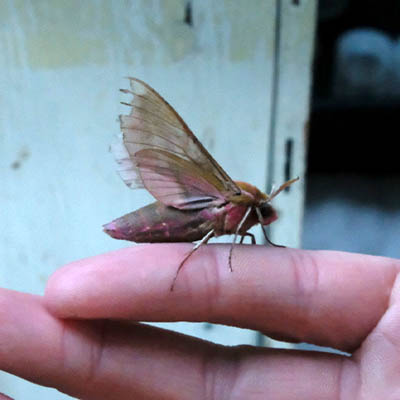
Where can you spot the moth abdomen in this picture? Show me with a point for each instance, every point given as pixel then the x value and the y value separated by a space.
pixel 157 223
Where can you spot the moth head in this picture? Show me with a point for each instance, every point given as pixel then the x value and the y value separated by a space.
pixel 266 213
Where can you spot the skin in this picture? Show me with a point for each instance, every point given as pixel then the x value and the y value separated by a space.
pixel 81 337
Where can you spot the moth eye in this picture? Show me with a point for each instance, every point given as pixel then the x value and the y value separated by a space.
pixel 238 193
pixel 265 209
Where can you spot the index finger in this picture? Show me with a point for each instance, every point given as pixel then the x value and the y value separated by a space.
pixel 322 297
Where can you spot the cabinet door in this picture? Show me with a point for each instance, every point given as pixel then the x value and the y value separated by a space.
pixel 238 72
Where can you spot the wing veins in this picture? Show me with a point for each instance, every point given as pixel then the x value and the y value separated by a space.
pixel 189 158
pixel 142 98
pixel 159 127
pixel 160 147
pixel 144 111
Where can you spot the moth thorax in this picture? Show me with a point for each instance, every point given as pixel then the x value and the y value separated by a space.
pixel 250 194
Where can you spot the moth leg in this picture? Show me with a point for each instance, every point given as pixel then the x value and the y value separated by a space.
pixel 253 238
pixel 246 214
pixel 204 240
pixel 272 243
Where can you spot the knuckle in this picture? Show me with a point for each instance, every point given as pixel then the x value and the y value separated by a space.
pixel 306 282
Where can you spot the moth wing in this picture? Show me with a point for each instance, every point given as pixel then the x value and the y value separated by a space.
pixel 160 153
pixel 175 181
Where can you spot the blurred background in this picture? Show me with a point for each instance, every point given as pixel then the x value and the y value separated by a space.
pixel 353 170
pixel 274 89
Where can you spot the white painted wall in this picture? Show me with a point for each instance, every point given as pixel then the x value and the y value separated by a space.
pixel 61 67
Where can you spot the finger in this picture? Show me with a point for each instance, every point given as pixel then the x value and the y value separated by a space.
pixel 4 397
pixel 326 298
pixel 110 360
pixel 378 357
pixel 95 360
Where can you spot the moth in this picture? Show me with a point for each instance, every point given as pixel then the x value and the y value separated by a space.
pixel 195 198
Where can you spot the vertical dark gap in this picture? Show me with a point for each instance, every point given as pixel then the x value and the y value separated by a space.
pixel 188 18
pixel 288 161
pixel 296 2
pixel 261 340
pixel 274 98
pixel 274 89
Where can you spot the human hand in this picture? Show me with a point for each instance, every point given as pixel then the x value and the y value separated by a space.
pixel 81 340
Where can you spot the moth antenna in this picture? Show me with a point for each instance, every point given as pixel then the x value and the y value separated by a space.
pixel 205 239
pixel 273 188
pixel 125 104
pixel 274 193
pixel 259 216
pixel 246 214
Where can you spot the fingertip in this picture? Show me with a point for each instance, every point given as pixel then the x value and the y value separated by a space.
pixel 61 290
pixel 70 285
pixel 91 287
